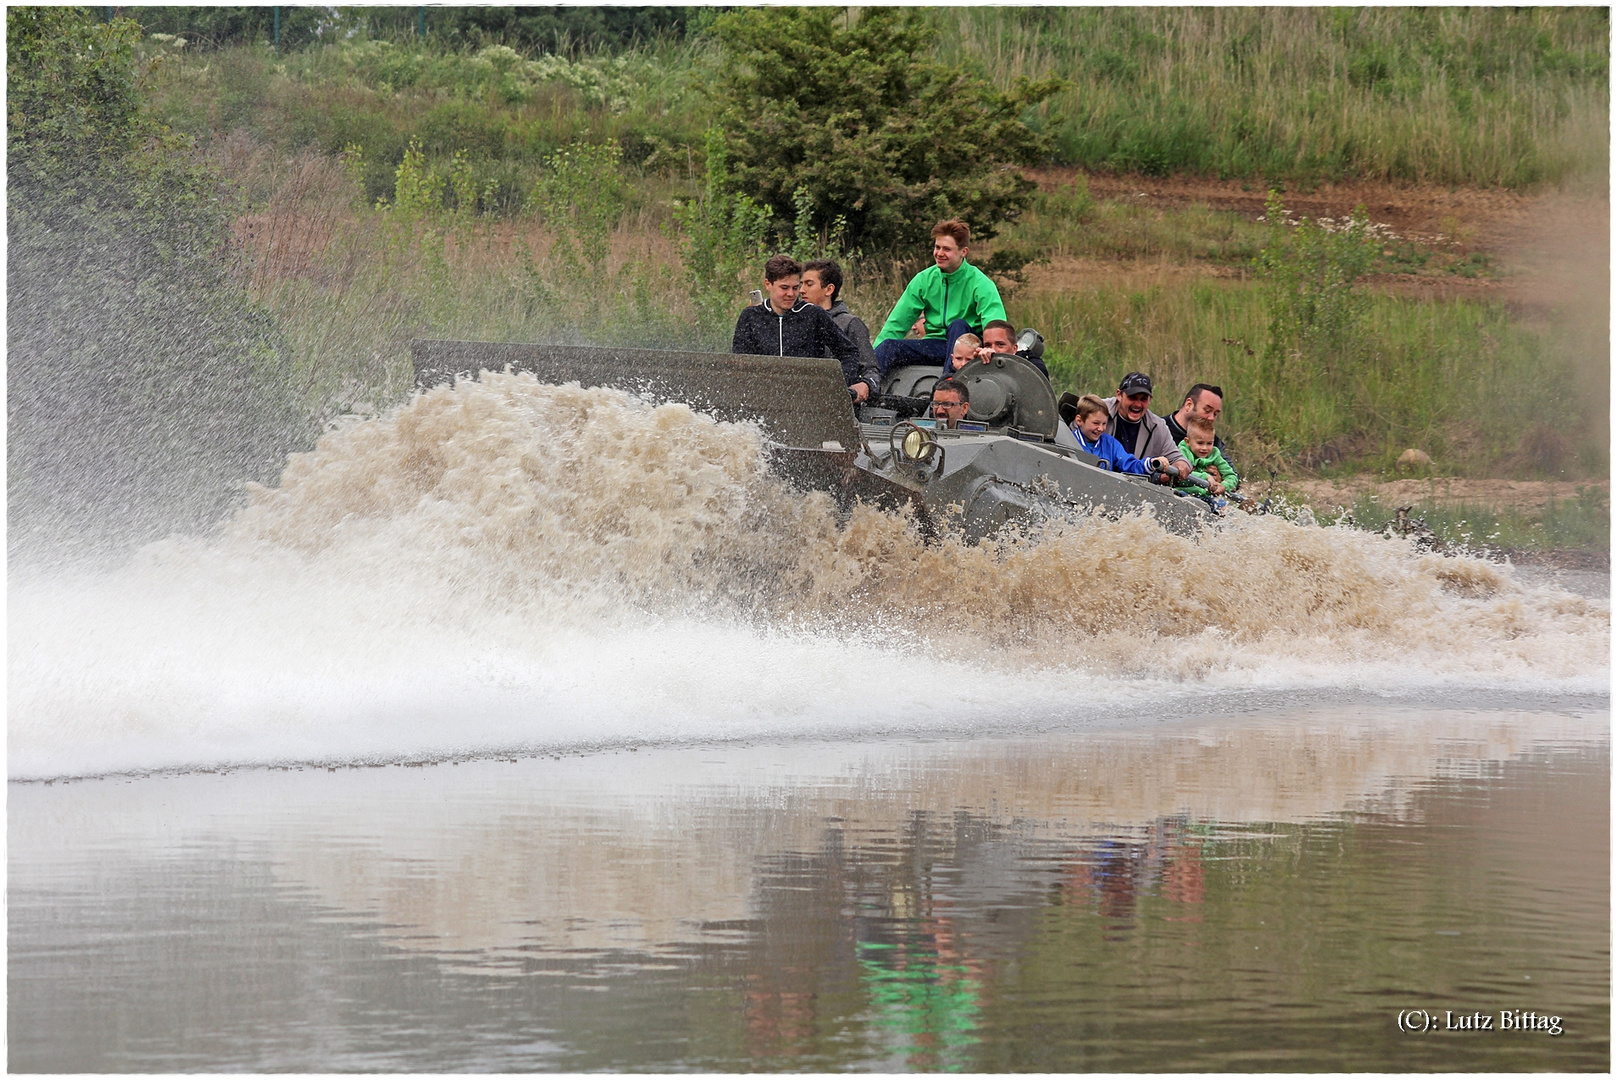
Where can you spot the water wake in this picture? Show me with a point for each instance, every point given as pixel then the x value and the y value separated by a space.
pixel 506 564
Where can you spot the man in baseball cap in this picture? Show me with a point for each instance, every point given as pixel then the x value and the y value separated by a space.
pixel 1142 432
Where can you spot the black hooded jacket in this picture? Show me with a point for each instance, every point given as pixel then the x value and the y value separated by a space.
pixel 806 330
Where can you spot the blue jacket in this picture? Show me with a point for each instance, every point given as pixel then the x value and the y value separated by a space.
pixel 1111 454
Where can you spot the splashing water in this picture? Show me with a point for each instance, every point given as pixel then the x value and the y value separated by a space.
pixel 506 564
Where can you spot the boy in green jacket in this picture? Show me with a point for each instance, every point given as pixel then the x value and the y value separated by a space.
pixel 954 297
pixel 1208 469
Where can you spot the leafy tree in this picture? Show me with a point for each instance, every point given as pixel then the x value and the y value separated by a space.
pixel 143 386
pixel 216 27
pixel 879 133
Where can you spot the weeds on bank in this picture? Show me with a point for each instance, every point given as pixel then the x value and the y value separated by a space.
pixel 1471 96
pixel 1582 522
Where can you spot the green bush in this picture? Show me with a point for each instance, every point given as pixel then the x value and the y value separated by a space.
pixel 855 111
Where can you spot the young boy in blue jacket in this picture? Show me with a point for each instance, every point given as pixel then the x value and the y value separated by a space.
pixel 1090 428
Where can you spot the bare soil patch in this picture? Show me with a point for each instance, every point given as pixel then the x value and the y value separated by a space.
pixel 1544 243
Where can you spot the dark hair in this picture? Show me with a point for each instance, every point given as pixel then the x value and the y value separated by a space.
pixel 830 274
pixel 999 322
pixel 959 230
pixel 1195 392
pixel 780 266
pixel 956 386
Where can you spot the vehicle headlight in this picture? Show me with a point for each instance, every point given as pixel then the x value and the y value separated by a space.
pixel 914 444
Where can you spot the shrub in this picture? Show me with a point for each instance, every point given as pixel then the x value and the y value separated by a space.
pixel 857 112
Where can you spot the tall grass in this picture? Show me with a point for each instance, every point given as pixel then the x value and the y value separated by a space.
pixel 1466 96
pixel 1451 95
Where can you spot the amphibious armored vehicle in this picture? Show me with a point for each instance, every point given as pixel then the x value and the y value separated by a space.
pixel 1010 460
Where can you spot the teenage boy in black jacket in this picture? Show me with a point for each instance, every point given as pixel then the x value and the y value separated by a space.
pixel 786 326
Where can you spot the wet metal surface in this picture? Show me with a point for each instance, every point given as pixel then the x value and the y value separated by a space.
pixel 1250 893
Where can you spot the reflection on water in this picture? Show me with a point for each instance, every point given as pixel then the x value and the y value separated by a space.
pixel 1248 893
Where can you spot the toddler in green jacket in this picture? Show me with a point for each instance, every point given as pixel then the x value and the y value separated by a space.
pixel 1207 465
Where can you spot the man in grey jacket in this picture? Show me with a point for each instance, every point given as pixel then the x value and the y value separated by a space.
pixel 1142 432
pixel 822 285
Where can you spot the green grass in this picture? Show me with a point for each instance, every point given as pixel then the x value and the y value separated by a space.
pixel 1472 96
pixel 1467 96
pixel 1582 522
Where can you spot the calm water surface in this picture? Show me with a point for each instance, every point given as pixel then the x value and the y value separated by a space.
pixel 1244 893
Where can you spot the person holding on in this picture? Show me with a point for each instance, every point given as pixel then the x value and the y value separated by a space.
pixel 951 296
pixel 784 325
pixel 1142 432
pixel 1208 468
pixel 1204 400
pixel 822 285
pixel 1090 428
pixel 999 337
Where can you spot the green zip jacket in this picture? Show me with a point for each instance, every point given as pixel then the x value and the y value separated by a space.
pixel 968 294
pixel 1210 463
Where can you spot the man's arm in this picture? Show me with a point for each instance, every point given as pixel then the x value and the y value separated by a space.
pixel 742 341
pixel 1231 481
pixel 841 346
pixel 904 312
pixel 869 373
pixel 1159 443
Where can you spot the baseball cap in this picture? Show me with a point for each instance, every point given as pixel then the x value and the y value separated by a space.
pixel 1135 382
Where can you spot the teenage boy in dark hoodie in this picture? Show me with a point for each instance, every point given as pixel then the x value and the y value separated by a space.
pixel 785 325
pixel 822 285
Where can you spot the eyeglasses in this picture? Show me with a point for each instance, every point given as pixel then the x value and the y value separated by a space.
pixel 950 404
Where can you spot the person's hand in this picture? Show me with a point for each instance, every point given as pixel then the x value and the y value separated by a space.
pixel 986 355
pixel 1215 486
pixel 1157 464
pixel 1183 467
pixel 861 391
pixel 919 329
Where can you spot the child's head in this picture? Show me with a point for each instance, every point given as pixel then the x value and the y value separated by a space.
pixel 1199 436
pixel 965 346
pixel 1092 417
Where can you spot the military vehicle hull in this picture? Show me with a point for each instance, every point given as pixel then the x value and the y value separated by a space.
pixel 1009 468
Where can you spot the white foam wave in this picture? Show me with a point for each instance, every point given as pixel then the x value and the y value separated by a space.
pixel 508 566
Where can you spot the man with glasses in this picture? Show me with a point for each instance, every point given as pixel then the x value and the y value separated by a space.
pixel 1142 432
pixel 950 402
pixel 1204 400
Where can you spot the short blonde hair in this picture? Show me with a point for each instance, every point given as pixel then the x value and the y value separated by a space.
pixel 1199 425
pixel 1089 405
pixel 968 339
